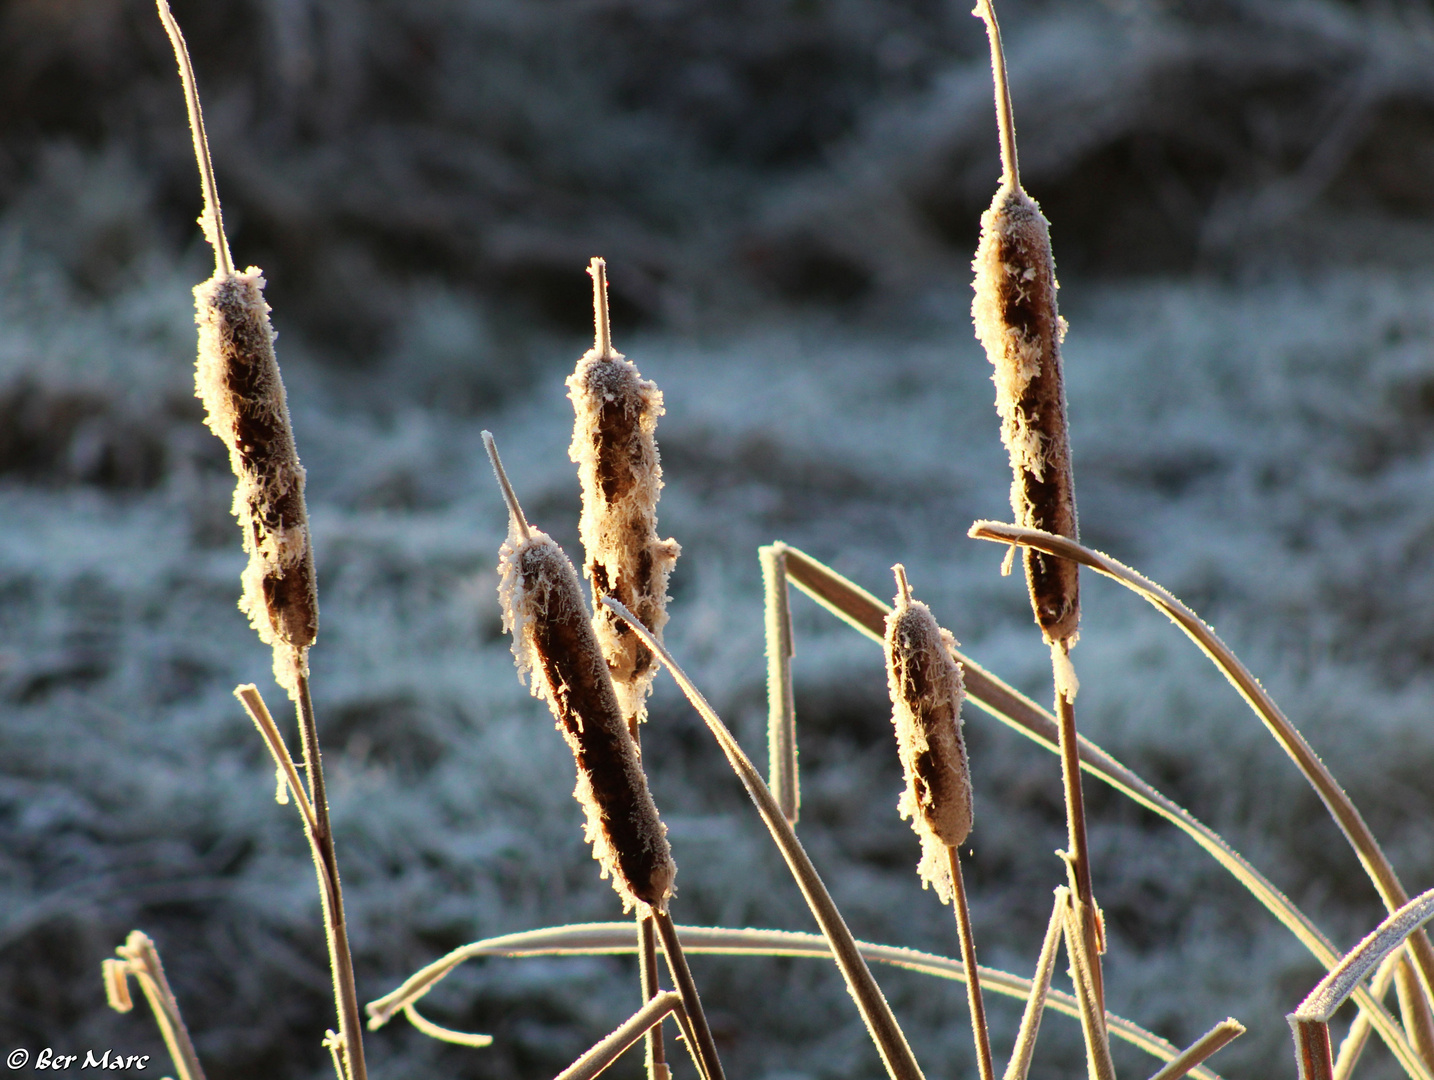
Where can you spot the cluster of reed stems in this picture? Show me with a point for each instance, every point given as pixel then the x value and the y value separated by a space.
pixel 594 664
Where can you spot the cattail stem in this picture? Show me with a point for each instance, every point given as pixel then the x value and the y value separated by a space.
pixel 602 324
pixel 515 511
pixel 140 959
pixel 596 1060
pixel 340 959
pixel 706 1048
pixel 212 219
pixel 647 972
pixel 1005 119
pixel 968 957
pixel 1218 1037
pixel 1079 849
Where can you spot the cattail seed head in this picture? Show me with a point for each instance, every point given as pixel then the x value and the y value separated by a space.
pixel 926 695
pixel 1018 323
pixel 554 642
pixel 616 413
pixel 237 379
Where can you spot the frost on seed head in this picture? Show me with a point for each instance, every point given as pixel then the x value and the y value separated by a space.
pixel 557 649
pixel 926 695
pixel 237 379
pixel 616 413
pixel 1018 323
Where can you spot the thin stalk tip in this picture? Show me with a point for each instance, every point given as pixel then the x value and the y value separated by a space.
pixel 515 512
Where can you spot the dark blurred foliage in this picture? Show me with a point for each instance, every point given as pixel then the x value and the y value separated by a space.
pixel 810 151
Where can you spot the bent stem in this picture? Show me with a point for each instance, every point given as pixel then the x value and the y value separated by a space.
pixel 1340 807
pixel 885 1032
pixel 968 955
pixel 140 959
pixel 866 614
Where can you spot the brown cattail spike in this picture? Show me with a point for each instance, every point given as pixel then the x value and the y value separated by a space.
pixel 926 695
pixel 616 454
pixel 237 378
pixel 554 641
pixel 1018 323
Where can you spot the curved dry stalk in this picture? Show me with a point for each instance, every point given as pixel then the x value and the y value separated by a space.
pixel 1355 1040
pixel 885 1032
pixel 441 1033
pixel 1341 808
pixel 862 611
pixel 140 959
pixel 619 939
pixel 1310 1022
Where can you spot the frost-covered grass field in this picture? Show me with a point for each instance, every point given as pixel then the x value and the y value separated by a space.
pixel 1262 443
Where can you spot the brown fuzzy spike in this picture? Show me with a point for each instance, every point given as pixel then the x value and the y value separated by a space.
pixel 553 638
pixel 926 696
pixel 237 378
pixel 613 445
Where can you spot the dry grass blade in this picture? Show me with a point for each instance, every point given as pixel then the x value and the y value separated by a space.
pixel 782 773
pixel 862 611
pixel 607 1051
pixel 1385 939
pixel 618 938
pixel 140 959
pixel 1346 816
pixel 1355 1040
pixel 248 695
pixel 885 1032
pixel 1020 1064
pixel 1219 1036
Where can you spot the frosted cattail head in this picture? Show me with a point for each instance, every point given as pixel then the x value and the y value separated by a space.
pixel 237 378
pixel 616 415
pixel 926 696
pixel 555 645
pixel 1018 323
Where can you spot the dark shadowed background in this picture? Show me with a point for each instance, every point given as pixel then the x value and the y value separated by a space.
pixel 787 193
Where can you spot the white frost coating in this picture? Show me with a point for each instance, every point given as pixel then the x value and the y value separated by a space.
pixel 1067 685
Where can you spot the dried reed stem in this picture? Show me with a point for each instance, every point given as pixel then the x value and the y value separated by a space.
pixel 619 938
pixel 862 611
pixel 212 220
pixel 1218 1037
pixel 656 1055
pixel 331 892
pixel 704 1047
pixel 782 773
pixel 1336 801
pixel 140 959
pixel 1083 968
pixel 967 935
pixel 443 1034
pixel 885 1031
pixel 1020 1064
pixel 604 1053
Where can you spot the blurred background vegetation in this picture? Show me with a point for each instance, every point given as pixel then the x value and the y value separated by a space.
pixel 787 193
